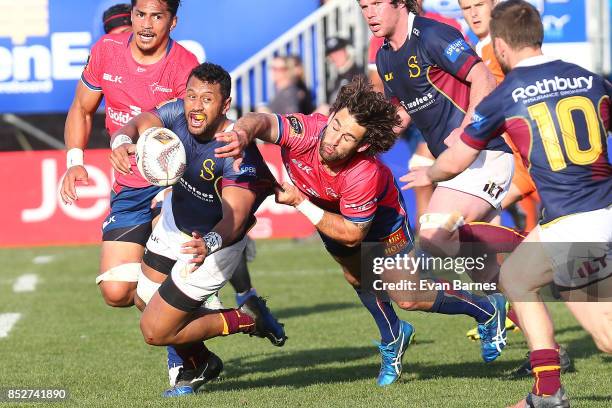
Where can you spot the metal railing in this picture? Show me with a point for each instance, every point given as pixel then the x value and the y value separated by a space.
pixel 252 84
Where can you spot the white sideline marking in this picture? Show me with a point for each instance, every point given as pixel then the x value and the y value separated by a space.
pixel 7 321
pixel 25 283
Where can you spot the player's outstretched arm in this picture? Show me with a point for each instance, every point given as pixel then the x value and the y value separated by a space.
pixel 237 204
pixel 253 125
pixel 122 141
pixel 333 225
pixel 451 162
pixel 76 135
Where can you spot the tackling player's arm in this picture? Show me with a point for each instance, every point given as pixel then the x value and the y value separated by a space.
pixel 335 226
pixel 122 142
pixel 488 122
pixel 76 135
pixel 263 126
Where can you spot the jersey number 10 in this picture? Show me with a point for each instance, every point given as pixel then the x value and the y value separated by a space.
pixel 550 139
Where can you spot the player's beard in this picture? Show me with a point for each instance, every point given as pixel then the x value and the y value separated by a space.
pixel 330 158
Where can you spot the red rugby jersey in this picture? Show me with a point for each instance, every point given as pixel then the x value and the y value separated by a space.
pixel 130 88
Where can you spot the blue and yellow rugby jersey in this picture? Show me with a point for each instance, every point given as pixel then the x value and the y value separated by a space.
pixel 426 76
pixel 558 115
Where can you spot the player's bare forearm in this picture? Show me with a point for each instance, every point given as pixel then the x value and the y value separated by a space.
pixel 262 126
pixel 482 82
pixel 237 204
pixel 80 117
pixel 249 127
pixel 342 230
pixel 452 161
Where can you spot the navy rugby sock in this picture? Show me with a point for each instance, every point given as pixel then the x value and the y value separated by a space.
pixel 453 302
pixel 387 321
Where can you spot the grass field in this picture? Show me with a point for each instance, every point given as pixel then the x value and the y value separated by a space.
pixel 68 338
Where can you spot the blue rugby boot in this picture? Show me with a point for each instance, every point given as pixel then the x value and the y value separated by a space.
pixel 266 324
pixel 493 331
pixel 392 353
pixel 189 381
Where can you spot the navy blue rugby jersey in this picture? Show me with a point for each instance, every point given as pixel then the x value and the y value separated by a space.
pixel 426 76
pixel 196 197
pixel 558 116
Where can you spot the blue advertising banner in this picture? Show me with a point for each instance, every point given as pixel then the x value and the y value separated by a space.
pixel 564 20
pixel 44 44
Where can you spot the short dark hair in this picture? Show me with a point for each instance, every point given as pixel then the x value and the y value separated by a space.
pixel 172 5
pixel 372 111
pixel 116 16
pixel 213 74
pixel 411 5
pixel 518 23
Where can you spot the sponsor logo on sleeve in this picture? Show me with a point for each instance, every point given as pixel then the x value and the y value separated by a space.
pixel 478 120
pixel 296 128
pixel 362 207
pixel 454 49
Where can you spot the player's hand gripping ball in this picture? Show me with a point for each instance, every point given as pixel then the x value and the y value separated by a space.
pixel 160 156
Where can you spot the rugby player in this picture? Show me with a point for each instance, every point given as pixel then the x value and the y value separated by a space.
pixel 116 19
pixel 477 13
pixel 558 115
pixel 134 73
pixel 211 199
pixel 352 199
pixel 428 68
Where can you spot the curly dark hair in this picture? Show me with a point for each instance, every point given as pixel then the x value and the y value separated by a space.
pixel 213 74
pixel 372 111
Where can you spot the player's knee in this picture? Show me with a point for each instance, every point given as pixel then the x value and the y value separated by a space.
pixel 409 305
pixel 118 284
pixel 152 334
pixel 118 294
pixel 603 339
pixel 437 230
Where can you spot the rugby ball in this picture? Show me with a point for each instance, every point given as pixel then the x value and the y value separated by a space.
pixel 160 156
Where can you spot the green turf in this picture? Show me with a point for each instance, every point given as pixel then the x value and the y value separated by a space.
pixel 68 338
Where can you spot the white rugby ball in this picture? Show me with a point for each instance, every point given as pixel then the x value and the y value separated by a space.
pixel 160 156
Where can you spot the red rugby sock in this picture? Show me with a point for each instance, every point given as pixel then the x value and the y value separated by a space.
pixel 546 371
pixel 235 321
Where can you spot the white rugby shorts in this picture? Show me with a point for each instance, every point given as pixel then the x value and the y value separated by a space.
pixel 489 177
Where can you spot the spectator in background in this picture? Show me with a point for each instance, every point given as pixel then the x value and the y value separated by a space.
pixel 116 19
pixel 296 68
pixel 289 97
pixel 336 51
